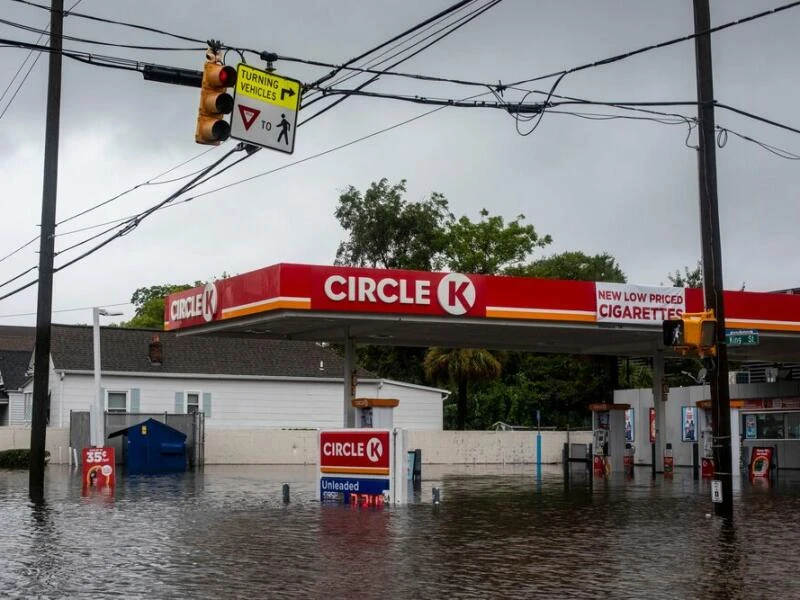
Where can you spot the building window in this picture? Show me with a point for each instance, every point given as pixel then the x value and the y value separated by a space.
pixel 117 402
pixel 27 406
pixel 192 402
pixel 793 426
pixel 765 426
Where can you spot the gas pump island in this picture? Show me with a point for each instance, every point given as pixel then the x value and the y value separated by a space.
pixel 364 465
pixel 610 452
pixel 354 305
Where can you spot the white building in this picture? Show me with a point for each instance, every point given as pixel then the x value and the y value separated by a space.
pixel 237 382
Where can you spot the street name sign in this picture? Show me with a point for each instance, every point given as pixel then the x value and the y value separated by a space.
pixel 265 107
pixel 741 337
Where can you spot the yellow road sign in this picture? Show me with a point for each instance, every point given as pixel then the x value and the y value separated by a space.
pixel 267 87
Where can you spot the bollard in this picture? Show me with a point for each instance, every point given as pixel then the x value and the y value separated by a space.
pixel 436 495
pixel 286 493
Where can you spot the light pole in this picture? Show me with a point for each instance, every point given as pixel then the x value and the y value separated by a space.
pixel 97 408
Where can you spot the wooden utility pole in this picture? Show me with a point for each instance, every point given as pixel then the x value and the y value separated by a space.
pixel 44 307
pixel 712 261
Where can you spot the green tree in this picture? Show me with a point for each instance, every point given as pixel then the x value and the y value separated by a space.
pixel 384 230
pixel 490 246
pixel 149 304
pixel 689 279
pixel 460 366
pixel 574 265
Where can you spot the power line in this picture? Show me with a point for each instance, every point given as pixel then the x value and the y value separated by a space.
pixel 685 38
pixel 113 22
pixel 323 153
pixel 63 310
pixel 150 181
pixel 756 117
pixel 434 21
pixel 134 222
pixel 463 22
pixel 44 33
pixel 99 42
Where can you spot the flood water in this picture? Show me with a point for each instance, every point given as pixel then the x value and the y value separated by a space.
pixel 499 532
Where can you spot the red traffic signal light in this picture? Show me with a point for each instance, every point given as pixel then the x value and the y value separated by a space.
pixel 215 103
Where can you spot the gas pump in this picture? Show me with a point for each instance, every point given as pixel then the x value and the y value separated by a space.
pixel 706 438
pixel 608 426
pixel 375 413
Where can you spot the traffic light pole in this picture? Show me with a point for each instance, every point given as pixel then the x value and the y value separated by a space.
pixel 41 354
pixel 712 258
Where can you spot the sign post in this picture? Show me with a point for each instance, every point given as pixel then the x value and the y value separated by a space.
pixel 265 107
pixel 366 464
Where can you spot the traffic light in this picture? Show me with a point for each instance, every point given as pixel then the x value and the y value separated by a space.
pixel 673 332
pixel 215 103
pixel 694 333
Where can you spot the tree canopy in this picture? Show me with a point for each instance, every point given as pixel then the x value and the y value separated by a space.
pixel 384 230
pixel 149 304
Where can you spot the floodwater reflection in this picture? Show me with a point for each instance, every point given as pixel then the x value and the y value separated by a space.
pixel 224 532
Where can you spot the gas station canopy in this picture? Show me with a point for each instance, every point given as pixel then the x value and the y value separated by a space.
pixel 416 308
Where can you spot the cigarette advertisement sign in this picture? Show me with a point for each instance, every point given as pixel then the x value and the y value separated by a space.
pixel 638 304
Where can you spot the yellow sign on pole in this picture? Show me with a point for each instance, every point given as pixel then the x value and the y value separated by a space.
pixel 265 108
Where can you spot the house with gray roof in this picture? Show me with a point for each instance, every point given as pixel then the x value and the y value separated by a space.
pixel 236 382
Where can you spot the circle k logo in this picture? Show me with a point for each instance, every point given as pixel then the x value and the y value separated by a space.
pixel 456 293
pixel 374 449
pixel 209 301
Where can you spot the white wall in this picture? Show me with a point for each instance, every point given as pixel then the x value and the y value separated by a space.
pixel 300 447
pixel 278 446
pixel 56 441
pixel 246 403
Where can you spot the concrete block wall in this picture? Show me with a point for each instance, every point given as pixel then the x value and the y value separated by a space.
pixel 261 446
pixel 491 447
pixel 299 447
pixel 56 441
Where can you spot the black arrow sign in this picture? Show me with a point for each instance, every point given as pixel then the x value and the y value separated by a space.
pixel 285 92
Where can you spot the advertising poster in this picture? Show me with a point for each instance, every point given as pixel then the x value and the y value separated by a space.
pixel 652 425
pixel 760 462
pixel 98 467
pixel 750 427
pixel 688 424
pixel 629 425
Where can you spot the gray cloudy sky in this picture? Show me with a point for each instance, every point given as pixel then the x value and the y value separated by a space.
pixel 624 187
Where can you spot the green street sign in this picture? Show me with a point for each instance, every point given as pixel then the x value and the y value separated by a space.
pixel 741 337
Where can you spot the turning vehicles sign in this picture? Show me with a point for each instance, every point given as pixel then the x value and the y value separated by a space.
pixel 265 109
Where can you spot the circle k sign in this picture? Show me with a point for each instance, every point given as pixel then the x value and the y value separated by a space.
pixel 456 293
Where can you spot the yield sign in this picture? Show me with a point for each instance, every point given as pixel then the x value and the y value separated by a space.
pixel 248 115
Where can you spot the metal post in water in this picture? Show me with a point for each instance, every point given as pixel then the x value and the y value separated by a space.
pixel 538 445
pixel 286 493
pixel 435 496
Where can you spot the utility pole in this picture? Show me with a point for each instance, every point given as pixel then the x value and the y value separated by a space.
pixel 712 259
pixel 44 308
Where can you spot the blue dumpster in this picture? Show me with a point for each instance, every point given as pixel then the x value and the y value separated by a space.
pixel 153 447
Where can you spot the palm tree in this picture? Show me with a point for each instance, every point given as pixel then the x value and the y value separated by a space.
pixel 460 366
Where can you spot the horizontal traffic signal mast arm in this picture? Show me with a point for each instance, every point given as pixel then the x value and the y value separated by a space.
pixel 173 75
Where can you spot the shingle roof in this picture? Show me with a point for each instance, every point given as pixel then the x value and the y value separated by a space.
pixel 13 365
pixel 127 350
pixel 14 337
